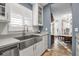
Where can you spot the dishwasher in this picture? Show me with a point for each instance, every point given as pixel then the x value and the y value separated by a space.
pixel 11 50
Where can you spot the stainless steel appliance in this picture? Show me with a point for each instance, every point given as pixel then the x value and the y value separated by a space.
pixel 11 50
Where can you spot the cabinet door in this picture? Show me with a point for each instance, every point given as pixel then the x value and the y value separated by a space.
pixel 40 15
pixel 27 52
pixel 35 14
pixel 3 18
pixel 2 11
pixel 46 43
pixel 7 11
pixel 39 48
pixel 45 40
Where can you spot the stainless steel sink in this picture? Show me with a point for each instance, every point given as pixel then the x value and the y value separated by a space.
pixel 27 37
pixel 27 41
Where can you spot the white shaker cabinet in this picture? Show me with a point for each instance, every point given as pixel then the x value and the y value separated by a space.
pixel 34 50
pixel 4 12
pixel 4 18
pixel 45 42
pixel 39 48
pixel 37 15
pixel 27 52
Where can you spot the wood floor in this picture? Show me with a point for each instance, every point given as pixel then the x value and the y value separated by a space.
pixel 57 50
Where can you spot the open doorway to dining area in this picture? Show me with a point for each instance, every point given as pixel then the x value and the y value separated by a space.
pixel 61 30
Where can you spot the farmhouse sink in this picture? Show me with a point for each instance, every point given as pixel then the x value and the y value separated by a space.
pixel 27 37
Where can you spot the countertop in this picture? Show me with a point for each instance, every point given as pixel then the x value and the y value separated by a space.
pixel 64 35
pixel 42 33
pixel 8 41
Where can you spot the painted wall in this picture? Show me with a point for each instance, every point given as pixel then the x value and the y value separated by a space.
pixel 47 22
pixel 75 18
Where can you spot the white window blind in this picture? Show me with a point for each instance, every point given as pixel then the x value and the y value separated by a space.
pixel 16 20
pixel 20 16
pixel 28 21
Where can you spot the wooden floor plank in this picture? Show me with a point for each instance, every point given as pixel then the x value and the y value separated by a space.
pixel 57 50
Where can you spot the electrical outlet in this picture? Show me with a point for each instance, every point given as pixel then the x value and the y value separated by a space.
pixel 46 29
pixel 76 29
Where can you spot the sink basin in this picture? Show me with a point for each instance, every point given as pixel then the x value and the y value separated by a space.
pixel 27 37
pixel 28 42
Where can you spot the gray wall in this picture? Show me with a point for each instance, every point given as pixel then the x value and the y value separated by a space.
pixel 28 5
pixel 47 22
pixel 75 18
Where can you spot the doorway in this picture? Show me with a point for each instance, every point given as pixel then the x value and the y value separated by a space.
pixel 61 30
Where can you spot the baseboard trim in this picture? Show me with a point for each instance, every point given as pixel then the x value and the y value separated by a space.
pixel 44 52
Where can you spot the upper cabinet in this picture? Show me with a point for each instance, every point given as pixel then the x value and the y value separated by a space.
pixel 4 18
pixel 3 12
pixel 37 15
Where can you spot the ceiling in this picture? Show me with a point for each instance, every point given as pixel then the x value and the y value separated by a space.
pixel 60 8
pixel 42 4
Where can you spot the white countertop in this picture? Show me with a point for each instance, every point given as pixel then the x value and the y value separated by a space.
pixel 64 35
pixel 8 41
pixel 42 33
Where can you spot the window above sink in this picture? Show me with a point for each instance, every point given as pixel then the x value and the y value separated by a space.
pixel 20 16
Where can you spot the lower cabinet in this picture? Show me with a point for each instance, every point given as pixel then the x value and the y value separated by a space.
pixel 27 52
pixel 39 48
pixel 36 49
pixel 45 42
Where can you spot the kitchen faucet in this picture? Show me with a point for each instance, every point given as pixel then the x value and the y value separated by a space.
pixel 24 30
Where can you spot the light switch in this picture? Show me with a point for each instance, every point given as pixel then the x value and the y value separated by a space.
pixel 46 29
pixel 76 29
